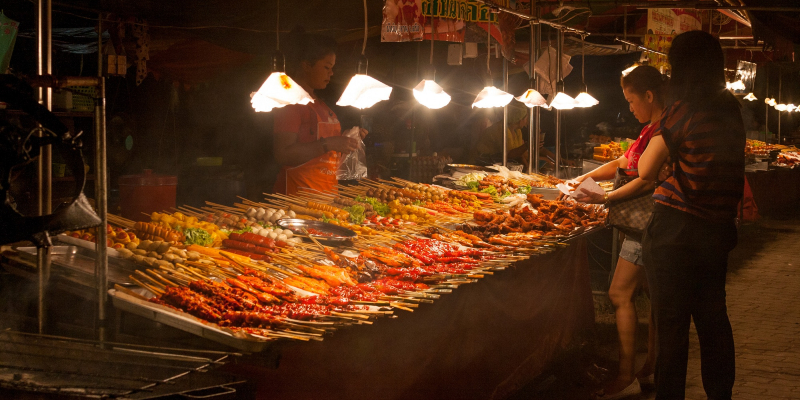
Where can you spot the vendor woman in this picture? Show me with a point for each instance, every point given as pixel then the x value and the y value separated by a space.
pixel 307 138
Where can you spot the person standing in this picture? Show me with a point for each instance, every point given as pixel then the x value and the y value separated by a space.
pixel 697 151
pixel 643 89
pixel 307 138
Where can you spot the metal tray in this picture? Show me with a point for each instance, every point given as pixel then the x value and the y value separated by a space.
pixel 296 225
pixel 81 262
pixel 184 322
pixel 466 168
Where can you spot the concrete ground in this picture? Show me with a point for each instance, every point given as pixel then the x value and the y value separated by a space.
pixel 764 308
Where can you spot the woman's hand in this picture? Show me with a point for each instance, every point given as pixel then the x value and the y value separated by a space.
pixel 665 171
pixel 586 196
pixel 342 144
pixel 363 132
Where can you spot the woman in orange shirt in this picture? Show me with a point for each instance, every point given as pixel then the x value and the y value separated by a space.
pixel 307 138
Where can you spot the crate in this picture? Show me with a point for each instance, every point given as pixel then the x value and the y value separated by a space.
pixel 82 98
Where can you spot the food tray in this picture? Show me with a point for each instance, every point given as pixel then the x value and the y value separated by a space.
pixel 547 193
pixel 467 168
pixel 187 323
pixel 297 225
pixel 81 262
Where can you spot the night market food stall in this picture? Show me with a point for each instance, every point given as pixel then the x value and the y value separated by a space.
pixel 467 287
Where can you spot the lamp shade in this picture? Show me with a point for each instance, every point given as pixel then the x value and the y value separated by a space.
pixel 364 91
pixel 431 95
pixel 277 91
pixel 490 97
pixel 750 97
pixel 780 107
pixel 563 101
pixel 585 100
pixel 771 102
pixel 532 98
pixel 738 85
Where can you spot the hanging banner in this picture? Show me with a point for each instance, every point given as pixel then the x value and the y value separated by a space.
pixel 663 24
pixel 409 20
pixel 8 35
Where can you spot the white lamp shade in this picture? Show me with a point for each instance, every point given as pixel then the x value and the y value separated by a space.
pixel 563 101
pixel 628 70
pixel 738 85
pixel 431 95
pixel 585 100
pixel 277 91
pixel 532 98
pixel 771 102
pixel 490 97
pixel 781 107
pixel 364 91
pixel 750 96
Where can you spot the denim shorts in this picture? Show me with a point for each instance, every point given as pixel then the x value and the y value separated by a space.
pixel 631 251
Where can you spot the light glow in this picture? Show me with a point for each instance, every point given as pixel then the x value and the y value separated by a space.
pixel 277 91
pixel 771 102
pixel 738 85
pixel 750 97
pixel 532 98
pixel 431 95
pixel 628 70
pixel 781 107
pixel 363 92
pixel 490 97
pixel 563 101
pixel 584 100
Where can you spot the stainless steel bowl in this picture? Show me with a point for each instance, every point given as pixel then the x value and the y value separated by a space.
pixel 297 225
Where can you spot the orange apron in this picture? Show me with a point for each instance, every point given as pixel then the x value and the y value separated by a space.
pixel 318 173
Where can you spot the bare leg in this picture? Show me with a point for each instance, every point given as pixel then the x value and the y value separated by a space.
pixel 627 278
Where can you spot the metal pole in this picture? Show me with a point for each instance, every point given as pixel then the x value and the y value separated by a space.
pixel 766 111
pixel 101 194
pixel 44 28
pixel 559 86
pixel 537 110
pixel 533 142
pixel 780 86
pixel 505 114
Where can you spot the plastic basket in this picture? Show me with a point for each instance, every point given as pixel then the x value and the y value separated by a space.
pixel 82 98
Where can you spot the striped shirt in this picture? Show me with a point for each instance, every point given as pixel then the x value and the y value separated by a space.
pixel 707 153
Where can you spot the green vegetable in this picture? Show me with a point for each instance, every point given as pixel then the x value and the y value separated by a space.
pixel 198 236
pixel 245 230
pixel 356 213
pixel 473 186
pixel 491 190
pixel 380 208
pixel 504 195
pixel 524 189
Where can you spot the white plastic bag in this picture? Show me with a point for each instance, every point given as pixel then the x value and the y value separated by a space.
pixel 354 165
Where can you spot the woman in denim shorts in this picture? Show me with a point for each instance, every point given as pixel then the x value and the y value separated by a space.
pixel 642 88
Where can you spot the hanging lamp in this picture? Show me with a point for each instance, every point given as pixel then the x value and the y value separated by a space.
pixel 428 92
pixel 279 89
pixel 584 99
pixel 750 97
pixel 491 96
pixel 364 91
pixel 561 101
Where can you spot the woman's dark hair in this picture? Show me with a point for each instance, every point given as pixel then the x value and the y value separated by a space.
pixel 306 47
pixel 644 78
pixel 698 69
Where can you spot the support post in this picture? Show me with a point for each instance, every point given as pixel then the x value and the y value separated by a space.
pixel 505 114
pixel 44 29
pixel 101 193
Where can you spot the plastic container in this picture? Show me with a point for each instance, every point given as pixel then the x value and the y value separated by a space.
pixel 141 195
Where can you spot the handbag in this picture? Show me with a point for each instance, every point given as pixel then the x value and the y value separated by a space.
pixel 630 215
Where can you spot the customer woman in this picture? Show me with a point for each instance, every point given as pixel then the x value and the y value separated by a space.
pixel 307 138
pixel 701 138
pixel 643 89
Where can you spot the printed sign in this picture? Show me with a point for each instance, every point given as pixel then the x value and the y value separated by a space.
pixel 663 24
